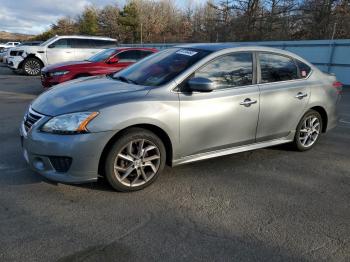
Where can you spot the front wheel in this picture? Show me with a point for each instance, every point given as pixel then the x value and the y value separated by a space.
pixel 308 131
pixel 135 160
pixel 32 66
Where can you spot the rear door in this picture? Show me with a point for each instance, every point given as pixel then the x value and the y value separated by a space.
pixel 97 45
pixel 83 49
pixel 60 51
pixel 284 95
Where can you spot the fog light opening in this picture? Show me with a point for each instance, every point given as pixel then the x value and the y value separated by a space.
pixel 38 163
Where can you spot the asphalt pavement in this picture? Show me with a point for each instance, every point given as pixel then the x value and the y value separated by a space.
pixel 272 204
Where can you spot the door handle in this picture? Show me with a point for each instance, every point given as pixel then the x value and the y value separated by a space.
pixel 301 95
pixel 247 102
pixel 67 52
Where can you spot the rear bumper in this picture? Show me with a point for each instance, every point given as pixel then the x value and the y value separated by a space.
pixel 47 154
pixel 333 115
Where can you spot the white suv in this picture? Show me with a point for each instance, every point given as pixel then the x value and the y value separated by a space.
pixel 30 59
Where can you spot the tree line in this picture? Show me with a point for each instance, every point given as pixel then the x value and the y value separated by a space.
pixel 161 21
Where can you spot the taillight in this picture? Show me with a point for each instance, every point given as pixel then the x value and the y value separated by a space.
pixel 338 86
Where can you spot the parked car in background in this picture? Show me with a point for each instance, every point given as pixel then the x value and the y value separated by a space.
pixel 5 55
pixel 105 62
pixel 9 51
pixel 30 59
pixel 2 54
pixel 183 104
pixel 8 45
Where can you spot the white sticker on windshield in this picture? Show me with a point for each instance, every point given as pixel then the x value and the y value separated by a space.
pixel 186 52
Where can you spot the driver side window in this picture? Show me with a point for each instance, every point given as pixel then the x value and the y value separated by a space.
pixel 62 43
pixel 228 71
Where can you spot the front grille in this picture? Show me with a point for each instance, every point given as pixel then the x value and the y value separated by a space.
pixel 16 53
pixel 60 163
pixel 30 118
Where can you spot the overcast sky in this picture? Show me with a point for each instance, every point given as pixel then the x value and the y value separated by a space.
pixel 35 16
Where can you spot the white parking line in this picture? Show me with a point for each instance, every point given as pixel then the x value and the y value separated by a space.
pixel 343 121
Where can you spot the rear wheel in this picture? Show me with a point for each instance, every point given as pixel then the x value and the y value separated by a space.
pixel 135 160
pixel 32 66
pixel 308 131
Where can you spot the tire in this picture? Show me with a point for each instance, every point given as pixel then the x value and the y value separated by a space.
pixel 32 66
pixel 308 131
pixel 127 168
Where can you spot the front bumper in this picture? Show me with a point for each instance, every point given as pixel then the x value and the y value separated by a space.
pixel 14 61
pixel 84 150
pixel 49 81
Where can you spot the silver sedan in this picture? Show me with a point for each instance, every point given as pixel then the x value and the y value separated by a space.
pixel 183 104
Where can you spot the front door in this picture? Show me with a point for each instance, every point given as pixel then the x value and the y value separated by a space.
pixel 226 117
pixel 60 51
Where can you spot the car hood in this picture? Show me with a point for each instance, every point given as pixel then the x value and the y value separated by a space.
pixel 66 65
pixel 29 49
pixel 86 94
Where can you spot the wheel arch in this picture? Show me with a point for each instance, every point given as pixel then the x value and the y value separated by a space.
pixel 30 56
pixel 153 128
pixel 324 116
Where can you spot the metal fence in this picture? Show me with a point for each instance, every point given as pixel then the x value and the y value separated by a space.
pixel 332 56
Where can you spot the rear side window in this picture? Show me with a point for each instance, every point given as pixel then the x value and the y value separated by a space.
pixel 128 56
pixel 92 43
pixel 81 43
pixel 275 68
pixel 103 43
pixel 229 71
pixel 304 69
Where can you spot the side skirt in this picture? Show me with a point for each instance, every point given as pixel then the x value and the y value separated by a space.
pixel 229 151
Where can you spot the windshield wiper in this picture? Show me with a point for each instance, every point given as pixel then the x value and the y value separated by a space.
pixel 126 80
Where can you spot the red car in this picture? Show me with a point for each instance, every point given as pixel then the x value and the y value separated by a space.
pixel 105 62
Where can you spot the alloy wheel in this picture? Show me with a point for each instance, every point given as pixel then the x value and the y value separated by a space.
pixel 137 162
pixel 32 67
pixel 309 131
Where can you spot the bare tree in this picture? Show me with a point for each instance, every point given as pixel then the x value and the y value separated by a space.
pixel 212 21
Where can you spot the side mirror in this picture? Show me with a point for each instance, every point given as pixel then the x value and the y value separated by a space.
pixel 51 46
pixel 113 60
pixel 201 84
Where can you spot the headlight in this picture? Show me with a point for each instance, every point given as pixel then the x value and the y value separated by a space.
pixel 69 123
pixel 58 73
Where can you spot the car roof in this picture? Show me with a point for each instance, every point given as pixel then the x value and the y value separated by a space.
pixel 209 47
pixel 215 47
pixel 120 48
pixel 241 47
pixel 86 37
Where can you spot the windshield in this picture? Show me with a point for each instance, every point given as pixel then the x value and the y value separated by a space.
pixel 47 41
pixel 102 56
pixel 161 67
